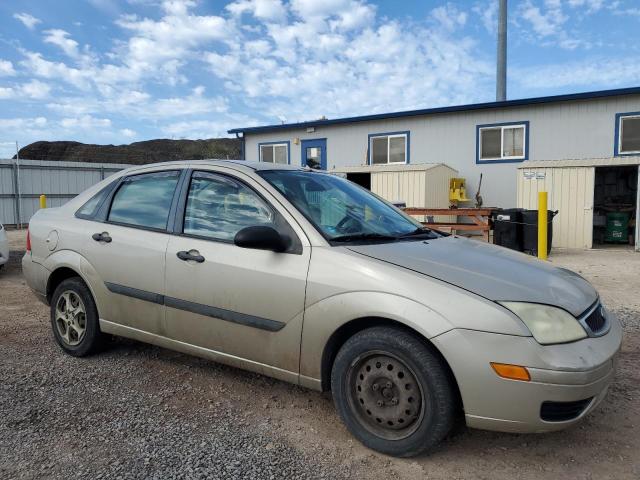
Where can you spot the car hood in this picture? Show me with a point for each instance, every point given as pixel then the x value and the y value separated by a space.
pixel 493 272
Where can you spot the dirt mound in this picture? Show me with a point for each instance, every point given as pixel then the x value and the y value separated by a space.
pixel 138 153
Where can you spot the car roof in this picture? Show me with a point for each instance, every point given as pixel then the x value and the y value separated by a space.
pixel 235 164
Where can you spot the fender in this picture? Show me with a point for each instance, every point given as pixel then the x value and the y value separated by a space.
pixel 79 264
pixel 322 319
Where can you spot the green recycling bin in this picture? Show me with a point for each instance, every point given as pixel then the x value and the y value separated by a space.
pixel 617 226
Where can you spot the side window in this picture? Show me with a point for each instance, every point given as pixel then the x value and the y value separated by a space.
pixel 218 207
pixel 89 209
pixel 144 200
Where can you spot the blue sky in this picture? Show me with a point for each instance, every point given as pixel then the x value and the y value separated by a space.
pixel 117 71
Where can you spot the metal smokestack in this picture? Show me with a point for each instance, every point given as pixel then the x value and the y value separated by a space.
pixel 501 70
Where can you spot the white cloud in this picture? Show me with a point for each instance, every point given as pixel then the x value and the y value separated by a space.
pixel 61 39
pixel 27 20
pixel 85 122
pixel 488 13
pixel 35 89
pixel 603 72
pixel 6 68
pixel 128 133
pixel 449 17
pixel 550 24
pixel 590 5
pixel 272 10
pixel 6 92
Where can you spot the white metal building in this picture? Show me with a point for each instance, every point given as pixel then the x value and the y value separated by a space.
pixel 596 132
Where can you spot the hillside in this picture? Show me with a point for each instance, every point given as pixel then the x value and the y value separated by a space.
pixel 137 153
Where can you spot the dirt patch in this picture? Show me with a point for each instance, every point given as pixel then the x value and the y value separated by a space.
pixel 142 411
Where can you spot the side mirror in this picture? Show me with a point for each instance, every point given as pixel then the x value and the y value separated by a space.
pixel 260 237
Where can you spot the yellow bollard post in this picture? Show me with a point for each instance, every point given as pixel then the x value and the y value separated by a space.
pixel 542 225
pixel 43 201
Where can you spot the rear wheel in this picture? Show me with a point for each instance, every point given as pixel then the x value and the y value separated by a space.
pixel 74 318
pixel 393 392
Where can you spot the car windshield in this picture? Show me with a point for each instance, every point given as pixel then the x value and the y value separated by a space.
pixel 340 209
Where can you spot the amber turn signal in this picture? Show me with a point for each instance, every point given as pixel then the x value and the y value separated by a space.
pixel 512 372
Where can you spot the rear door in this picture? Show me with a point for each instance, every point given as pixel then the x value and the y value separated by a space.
pixel 126 246
pixel 244 305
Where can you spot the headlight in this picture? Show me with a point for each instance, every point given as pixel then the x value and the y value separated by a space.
pixel 548 325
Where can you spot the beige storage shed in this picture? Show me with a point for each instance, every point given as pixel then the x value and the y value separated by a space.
pixel 420 185
pixel 573 188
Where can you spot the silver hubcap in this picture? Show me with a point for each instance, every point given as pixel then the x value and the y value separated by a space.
pixel 70 318
pixel 385 395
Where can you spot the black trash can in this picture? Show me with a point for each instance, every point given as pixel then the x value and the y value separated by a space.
pixel 507 228
pixel 530 231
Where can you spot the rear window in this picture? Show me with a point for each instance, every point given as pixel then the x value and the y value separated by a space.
pixel 144 200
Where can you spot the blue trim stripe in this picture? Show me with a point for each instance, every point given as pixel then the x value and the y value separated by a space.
pixel 281 142
pixel 455 108
pixel 616 134
pixel 385 134
pixel 504 124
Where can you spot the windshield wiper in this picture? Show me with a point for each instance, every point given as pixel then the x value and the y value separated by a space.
pixel 363 236
pixel 419 232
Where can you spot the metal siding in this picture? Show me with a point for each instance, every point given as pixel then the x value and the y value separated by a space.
pixel 570 192
pixel 560 131
pixel 48 177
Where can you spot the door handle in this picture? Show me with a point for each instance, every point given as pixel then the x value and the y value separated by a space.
pixel 101 237
pixel 190 255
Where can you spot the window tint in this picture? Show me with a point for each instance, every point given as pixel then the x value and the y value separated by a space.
pixel 218 207
pixel 630 134
pixel 338 207
pixel 145 200
pixel 90 208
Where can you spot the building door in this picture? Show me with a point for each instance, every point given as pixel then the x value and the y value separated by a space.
pixel 314 153
pixel 570 191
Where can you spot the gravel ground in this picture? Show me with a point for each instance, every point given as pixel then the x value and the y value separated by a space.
pixel 138 411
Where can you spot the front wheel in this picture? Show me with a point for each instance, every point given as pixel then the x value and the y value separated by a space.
pixel 74 318
pixel 393 392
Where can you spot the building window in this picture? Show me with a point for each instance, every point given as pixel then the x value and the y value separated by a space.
pixel 387 148
pixel 276 152
pixel 628 134
pixel 502 142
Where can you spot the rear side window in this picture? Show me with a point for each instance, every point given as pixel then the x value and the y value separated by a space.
pixel 218 207
pixel 89 209
pixel 144 200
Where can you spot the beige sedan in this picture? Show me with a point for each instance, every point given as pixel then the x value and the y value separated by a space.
pixel 308 278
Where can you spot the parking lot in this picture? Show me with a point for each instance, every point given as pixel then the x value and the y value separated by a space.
pixel 138 411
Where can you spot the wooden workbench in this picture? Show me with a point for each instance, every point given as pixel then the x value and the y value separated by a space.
pixel 478 216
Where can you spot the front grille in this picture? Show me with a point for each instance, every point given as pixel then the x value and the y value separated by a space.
pixel 596 321
pixel 563 411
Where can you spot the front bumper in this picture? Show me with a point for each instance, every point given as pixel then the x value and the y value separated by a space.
pixel 571 372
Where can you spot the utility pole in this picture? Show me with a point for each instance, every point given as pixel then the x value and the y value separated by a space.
pixel 17 188
pixel 501 70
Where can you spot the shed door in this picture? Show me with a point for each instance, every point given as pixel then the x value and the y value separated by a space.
pixel 570 192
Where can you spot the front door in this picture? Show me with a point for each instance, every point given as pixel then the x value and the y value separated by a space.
pixel 314 153
pixel 244 306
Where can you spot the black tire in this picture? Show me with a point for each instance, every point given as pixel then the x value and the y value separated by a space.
pixel 92 340
pixel 360 370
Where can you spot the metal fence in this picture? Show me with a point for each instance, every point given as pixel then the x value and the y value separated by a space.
pixel 22 182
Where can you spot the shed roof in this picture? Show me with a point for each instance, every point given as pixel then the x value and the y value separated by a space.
pixel 449 109
pixel 581 162
pixel 400 167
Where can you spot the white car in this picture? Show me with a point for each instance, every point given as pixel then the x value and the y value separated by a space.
pixel 4 246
